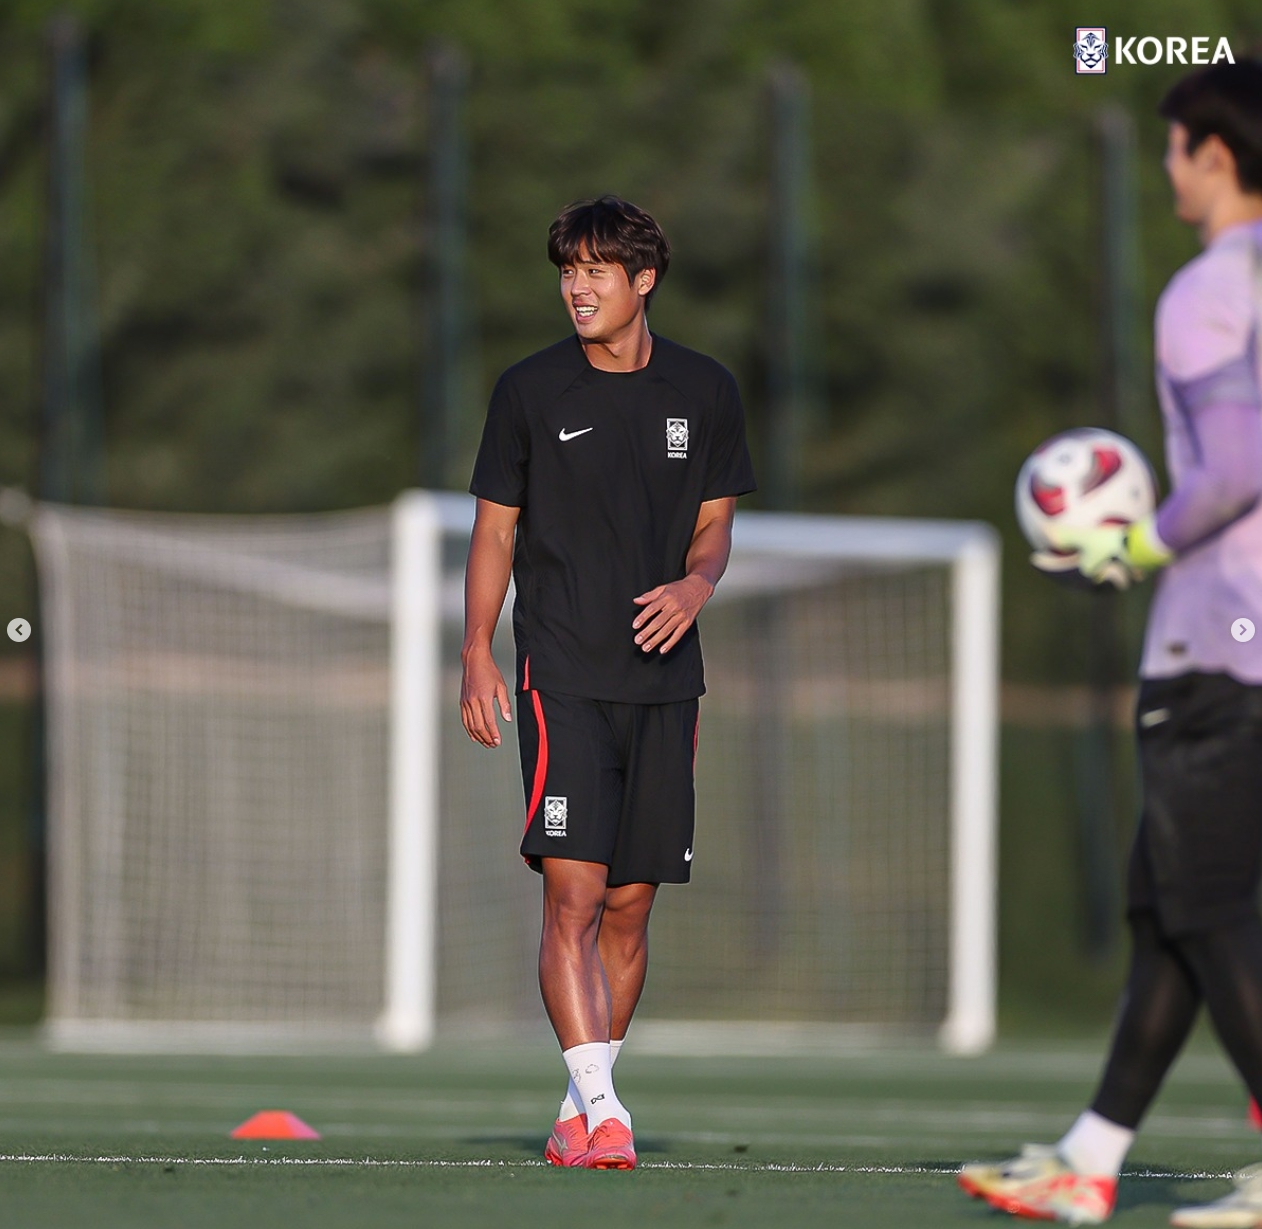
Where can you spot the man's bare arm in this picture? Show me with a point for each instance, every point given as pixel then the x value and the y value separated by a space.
pixel 671 609
pixel 485 584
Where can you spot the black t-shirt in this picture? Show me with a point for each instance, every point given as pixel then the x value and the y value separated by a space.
pixel 610 470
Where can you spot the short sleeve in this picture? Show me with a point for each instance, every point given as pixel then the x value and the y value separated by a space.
pixel 499 473
pixel 729 471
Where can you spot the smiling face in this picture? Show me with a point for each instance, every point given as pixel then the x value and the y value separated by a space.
pixel 604 303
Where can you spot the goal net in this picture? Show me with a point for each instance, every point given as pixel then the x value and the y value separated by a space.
pixel 267 827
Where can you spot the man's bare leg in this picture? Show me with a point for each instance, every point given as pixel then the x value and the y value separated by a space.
pixel 571 977
pixel 577 997
pixel 622 944
pixel 624 949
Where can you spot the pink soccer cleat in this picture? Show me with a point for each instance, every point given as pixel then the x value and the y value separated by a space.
pixel 567 1145
pixel 611 1146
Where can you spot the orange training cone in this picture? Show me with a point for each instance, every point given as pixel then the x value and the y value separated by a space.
pixel 275 1124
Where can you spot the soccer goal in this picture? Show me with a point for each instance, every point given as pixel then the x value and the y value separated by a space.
pixel 267 828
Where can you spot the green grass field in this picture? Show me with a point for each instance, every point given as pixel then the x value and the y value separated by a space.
pixel 453 1139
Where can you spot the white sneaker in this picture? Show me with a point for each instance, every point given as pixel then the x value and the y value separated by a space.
pixel 1039 1185
pixel 1242 1209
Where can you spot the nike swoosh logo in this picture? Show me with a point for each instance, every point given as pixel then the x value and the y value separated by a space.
pixel 688 856
pixel 570 435
pixel 1154 716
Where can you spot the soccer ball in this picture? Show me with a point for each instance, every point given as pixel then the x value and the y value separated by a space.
pixel 1082 479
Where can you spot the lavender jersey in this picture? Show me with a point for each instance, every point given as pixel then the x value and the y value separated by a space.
pixel 1207 352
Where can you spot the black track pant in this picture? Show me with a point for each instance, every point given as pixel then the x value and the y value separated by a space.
pixel 1168 980
pixel 1192 888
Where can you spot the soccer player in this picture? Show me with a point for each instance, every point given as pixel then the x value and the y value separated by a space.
pixel 607 480
pixel 1194 872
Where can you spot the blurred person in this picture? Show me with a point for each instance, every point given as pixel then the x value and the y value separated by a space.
pixel 1193 879
pixel 606 481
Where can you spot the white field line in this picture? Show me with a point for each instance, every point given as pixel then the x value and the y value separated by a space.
pixel 56 1158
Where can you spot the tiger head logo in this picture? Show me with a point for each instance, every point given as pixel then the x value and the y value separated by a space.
pixel 1091 51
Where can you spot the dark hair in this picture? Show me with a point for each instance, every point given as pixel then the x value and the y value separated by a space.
pixel 613 230
pixel 1225 101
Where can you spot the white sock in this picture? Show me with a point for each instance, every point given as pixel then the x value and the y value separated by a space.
pixel 1095 1146
pixel 570 1106
pixel 591 1071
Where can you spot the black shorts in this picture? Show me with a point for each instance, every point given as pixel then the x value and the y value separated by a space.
pixel 1197 857
pixel 611 783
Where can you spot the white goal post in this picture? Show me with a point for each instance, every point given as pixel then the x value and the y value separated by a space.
pixel 267 829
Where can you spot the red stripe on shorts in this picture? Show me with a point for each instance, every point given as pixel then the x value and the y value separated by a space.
pixel 696 734
pixel 541 760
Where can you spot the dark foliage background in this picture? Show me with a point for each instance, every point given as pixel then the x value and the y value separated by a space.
pixel 258 184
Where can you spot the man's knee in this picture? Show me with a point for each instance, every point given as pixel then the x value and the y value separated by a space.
pixel 572 914
pixel 574 900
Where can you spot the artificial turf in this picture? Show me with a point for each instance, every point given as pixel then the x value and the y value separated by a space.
pixel 453 1138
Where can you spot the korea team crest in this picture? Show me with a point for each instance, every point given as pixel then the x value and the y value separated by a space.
pixel 677 439
pixel 555 815
pixel 1091 50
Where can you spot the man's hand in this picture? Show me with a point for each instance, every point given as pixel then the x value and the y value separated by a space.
pixel 669 611
pixel 1117 555
pixel 481 687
